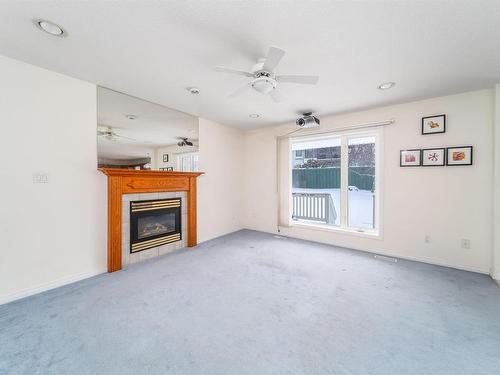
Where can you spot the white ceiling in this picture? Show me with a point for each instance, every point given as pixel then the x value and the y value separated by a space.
pixel 154 125
pixel 155 49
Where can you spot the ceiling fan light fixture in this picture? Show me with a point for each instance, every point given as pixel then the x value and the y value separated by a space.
pixel 49 27
pixel 264 85
pixel 386 86
pixel 264 79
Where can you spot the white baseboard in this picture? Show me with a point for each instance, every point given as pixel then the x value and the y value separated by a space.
pixel 394 255
pixel 47 286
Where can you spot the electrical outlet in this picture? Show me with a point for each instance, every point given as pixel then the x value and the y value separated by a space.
pixel 465 243
pixel 427 238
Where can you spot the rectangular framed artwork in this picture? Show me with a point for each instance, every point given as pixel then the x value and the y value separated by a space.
pixel 461 155
pixel 410 158
pixel 433 157
pixel 434 124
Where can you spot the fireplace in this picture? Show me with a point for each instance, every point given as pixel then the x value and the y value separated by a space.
pixel 154 223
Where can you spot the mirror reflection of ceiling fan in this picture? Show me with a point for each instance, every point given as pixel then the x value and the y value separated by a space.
pixel 109 134
pixel 184 141
pixel 264 79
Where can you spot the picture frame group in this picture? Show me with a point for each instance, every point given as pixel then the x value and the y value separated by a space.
pixel 436 157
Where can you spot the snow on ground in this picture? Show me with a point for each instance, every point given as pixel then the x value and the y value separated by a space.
pixel 360 205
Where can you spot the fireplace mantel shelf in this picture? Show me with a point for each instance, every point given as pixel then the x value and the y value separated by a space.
pixel 129 181
pixel 144 173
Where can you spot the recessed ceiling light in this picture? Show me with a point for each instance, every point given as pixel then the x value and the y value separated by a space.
pixel 254 115
pixel 386 85
pixel 50 27
pixel 131 117
pixel 193 90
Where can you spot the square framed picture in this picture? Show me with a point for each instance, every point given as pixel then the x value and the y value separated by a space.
pixel 165 158
pixel 410 158
pixel 169 169
pixel 433 157
pixel 459 155
pixel 434 124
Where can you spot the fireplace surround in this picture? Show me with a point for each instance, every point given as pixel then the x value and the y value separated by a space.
pixel 126 182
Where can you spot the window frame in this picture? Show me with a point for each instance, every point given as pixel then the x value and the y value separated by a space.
pixel 344 137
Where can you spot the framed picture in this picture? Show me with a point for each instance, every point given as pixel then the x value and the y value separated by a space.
pixel 433 157
pixel 171 169
pixel 165 158
pixel 434 124
pixel 410 158
pixel 459 155
pixel 161 169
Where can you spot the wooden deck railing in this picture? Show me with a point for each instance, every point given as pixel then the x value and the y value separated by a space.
pixel 314 207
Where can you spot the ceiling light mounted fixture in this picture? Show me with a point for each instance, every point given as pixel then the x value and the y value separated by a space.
pixel 263 77
pixel 131 117
pixel 193 90
pixel 254 115
pixel 386 86
pixel 49 27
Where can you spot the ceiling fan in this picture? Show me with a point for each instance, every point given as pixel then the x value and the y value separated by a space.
pixel 264 79
pixel 184 141
pixel 107 133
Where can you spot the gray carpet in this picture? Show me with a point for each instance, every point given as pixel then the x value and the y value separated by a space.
pixel 250 303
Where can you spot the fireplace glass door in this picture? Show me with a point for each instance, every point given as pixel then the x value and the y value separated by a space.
pixel 154 223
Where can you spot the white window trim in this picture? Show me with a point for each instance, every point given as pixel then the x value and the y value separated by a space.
pixel 376 232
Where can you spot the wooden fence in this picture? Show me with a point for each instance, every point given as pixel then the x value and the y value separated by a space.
pixel 329 178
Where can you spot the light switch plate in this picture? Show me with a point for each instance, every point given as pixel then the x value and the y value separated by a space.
pixel 40 178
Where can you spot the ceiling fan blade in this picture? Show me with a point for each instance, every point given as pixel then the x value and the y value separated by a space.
pixel 122 136
pixel 274 56
pixel 239 91
pixel 308 80
pixel 232 71
pixel 276 96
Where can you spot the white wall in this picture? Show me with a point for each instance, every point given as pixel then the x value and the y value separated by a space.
pixel 220 189
pixel 51 233
pixel 446 203
pixel 496 223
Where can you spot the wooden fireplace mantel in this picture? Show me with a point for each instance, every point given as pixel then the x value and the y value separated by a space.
pixel 129 181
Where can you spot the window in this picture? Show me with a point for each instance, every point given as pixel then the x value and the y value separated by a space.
pixel 335 183
pixel 187 162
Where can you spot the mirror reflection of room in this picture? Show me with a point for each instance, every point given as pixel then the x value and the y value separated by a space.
pixel 136 134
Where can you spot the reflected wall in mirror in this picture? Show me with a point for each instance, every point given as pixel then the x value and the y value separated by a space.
pixel 136 134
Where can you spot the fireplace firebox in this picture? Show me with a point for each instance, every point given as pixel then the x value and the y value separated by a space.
pixel 154 223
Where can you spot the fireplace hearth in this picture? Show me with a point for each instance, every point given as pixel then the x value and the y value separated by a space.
pixel 154 223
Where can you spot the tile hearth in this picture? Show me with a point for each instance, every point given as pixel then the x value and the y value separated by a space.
pixel 127 257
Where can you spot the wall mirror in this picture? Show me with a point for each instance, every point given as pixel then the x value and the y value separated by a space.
pixel 136 134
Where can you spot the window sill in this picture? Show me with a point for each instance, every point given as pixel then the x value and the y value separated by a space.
pixel 327 228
